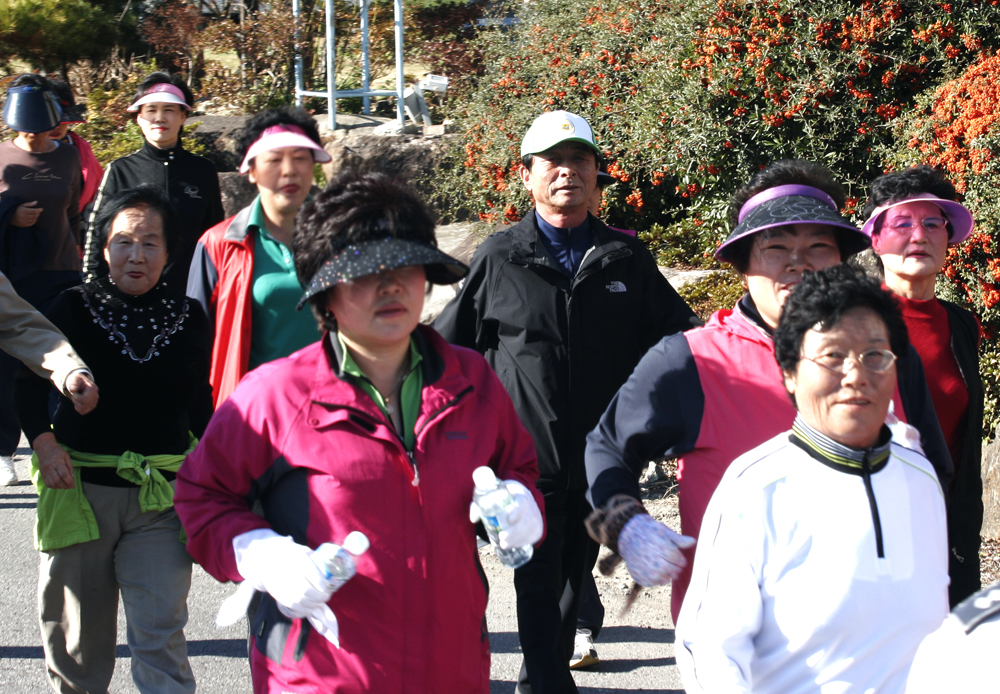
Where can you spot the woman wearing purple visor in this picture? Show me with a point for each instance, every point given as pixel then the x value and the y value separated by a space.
pixel 912 219
pixel 713 393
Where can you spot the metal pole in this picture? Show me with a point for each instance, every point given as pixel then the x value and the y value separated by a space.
pixel 299 86
pixel 331 67
pixel 398 11
pixel 366 69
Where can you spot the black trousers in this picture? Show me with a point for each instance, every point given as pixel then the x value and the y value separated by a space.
pixel 548 595
pixel 591 614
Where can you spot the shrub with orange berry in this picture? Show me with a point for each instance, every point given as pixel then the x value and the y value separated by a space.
pixel 689 99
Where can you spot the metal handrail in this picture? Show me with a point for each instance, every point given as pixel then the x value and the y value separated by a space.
pixel 332 93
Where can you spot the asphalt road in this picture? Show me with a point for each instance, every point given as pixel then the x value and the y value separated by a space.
pixel 636 650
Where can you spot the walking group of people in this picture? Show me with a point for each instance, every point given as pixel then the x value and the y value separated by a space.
pixel 241 391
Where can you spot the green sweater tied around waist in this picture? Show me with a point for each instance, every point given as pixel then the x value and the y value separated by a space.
pixel 65 517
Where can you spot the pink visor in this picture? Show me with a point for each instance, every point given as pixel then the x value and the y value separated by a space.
pixel 956 213
pixel 161 93
pixel 278 137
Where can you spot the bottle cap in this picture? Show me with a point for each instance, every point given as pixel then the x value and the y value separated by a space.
pixel 356 543
pixel 484 479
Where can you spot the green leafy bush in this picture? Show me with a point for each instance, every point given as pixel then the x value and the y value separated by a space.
pixel 721 289
pixel 51 35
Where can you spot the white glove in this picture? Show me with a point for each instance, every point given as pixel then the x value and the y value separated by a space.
pixel 275 564
pixel 903 434
pixel 524 520
pixel 652 551
pixel 525 524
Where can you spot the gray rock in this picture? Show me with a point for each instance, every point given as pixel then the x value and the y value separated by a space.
pixel 220 134
pixel 991 490
pixel 237 192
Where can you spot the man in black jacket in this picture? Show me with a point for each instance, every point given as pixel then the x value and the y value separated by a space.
pixel 563 308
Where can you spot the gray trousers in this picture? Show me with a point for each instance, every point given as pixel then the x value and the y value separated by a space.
pixel 139 555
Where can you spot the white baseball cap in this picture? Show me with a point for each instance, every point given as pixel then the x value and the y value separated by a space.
pixel 555 127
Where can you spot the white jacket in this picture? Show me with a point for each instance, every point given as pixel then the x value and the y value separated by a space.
pixel 788 593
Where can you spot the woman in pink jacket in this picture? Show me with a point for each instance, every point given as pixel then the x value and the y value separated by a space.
pixel 375 428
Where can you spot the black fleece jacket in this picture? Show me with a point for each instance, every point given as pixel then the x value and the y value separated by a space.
pixel 191 184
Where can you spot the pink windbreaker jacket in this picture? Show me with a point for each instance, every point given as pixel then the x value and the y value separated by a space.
pixel 319 456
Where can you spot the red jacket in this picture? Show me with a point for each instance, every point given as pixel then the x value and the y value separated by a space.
pixel 220 279
pixel 89 167
pixel 318 454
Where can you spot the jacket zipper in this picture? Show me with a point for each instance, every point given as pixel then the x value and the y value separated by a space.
pixel 409 454
pixel 866 475
pixel 166 174
pixel 431 417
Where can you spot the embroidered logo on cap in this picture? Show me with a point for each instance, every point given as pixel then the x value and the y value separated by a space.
pixel 567 127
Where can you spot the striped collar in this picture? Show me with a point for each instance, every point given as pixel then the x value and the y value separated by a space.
pixel 837 455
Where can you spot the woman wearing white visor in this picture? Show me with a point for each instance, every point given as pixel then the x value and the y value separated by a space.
pixel 912 220
pixel 243 272
pixel 190 183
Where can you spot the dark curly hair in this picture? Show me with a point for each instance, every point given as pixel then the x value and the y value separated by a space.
pixel 141 197
pixel 285 115
pixel 780 173
pixel 899 185
pixel 355 206
pixel 155 78
pixel 31 80
pixel 821 298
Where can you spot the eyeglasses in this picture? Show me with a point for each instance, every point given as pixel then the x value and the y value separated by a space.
pixel 875 361
pixel 906 226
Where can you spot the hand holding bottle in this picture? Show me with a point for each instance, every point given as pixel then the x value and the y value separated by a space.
pixel 510 515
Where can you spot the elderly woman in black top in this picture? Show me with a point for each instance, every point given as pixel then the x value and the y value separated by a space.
pixel 106 522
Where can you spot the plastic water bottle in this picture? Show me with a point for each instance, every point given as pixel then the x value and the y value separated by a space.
pixel 337 561
pixel 495 502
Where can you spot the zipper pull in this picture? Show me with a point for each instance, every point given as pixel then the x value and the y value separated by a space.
pixel 416 471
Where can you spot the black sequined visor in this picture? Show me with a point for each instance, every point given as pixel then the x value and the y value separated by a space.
pixel 796 209
pixel 371 257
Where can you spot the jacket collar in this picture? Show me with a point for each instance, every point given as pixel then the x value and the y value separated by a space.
pixel 334 399
pixel 162 154
pixel 239 226
pixel 738 323
pixel 527 247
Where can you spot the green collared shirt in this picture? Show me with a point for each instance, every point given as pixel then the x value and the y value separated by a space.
pixel 409 392
pixel 276 328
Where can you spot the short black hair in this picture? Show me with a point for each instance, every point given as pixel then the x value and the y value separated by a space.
pixel 154 78
pixel 821 298
pixel 780 173
pixel 31 80
pixel 143 196
pixel 899 185
pixel 63 92
pixel 354 207
pixel 284 115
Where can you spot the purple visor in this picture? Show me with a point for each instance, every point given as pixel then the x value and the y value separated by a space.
pixel 793 204
pixel 957 213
